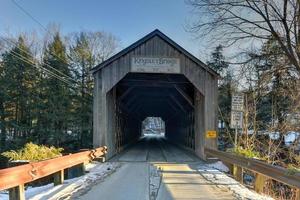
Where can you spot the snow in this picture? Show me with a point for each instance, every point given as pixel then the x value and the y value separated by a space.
pixel 219 166
pixel 71 187
pixel 220 179
pixel 290 137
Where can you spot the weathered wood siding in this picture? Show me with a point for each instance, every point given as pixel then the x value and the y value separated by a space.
pixel 204 81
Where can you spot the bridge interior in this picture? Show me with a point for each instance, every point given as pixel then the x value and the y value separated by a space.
pixel 141 95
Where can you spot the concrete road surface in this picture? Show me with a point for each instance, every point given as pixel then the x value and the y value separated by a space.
pixel 179 177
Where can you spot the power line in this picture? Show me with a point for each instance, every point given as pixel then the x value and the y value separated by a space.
pixel 31 62
pixel 29 15
pixel 39 23
pixel 45 29
pixel 39 67
pixel 45 70
pixel 88 99
pixel 41 61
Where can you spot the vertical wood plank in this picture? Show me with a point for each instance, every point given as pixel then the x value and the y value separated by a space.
pixel 59 177
pixel 83 168
pixel 297 195
pixel 259 182
pixel 17 193
pixel 238 173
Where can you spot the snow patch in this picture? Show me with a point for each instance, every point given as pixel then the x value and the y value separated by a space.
pixel 221 180
pixel 155 181
pixel 70 187
pixel 219 166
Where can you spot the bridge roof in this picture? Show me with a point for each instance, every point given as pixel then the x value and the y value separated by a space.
pixel 165 38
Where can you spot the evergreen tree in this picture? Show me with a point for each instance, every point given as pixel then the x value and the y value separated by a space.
pixel 82 61
pixel 55 107
pixel 218 63
pixel 225 88
pixel 19 81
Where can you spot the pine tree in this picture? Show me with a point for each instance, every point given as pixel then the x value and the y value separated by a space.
pixel 55 107
pixel 19 78
pixel 82 62
pixel 218 63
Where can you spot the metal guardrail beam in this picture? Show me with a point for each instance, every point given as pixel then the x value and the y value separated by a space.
pixel 15 176
pixel 274 172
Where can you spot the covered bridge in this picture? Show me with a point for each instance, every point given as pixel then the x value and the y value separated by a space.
pixel 154 77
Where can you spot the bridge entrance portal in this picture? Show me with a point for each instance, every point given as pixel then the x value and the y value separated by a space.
pixel 154 77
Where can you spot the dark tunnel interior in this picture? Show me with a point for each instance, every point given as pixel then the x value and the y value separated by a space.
pixel 142 95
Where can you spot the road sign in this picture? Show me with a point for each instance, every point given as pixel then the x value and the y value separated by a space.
pixel 237 106
pixel 236 119
pixel 237 102
pixel 211 134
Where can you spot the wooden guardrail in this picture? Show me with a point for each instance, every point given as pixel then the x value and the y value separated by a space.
pixel 263 170
pixel 14 178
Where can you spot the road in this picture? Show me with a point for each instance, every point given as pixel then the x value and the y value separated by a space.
pixel 178 177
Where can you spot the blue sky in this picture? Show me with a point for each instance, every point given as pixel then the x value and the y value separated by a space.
pixel 129 20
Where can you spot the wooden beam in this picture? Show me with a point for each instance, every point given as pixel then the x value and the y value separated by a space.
pixel 177 103
pixel 131 100
pixel 150 83
pixel 184 95
pixel 126 93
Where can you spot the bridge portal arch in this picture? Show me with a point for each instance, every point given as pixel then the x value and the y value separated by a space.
pixel 154 77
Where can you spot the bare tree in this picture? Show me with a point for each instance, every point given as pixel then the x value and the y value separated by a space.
pixel 232 21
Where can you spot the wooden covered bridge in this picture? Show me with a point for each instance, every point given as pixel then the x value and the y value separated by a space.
pixel 155 77
pixel 158 78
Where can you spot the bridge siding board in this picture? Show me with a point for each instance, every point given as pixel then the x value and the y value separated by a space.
pixel 110 75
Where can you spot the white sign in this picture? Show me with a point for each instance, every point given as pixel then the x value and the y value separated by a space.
pixel 237 106
pixel 236 119
pixel 155 65
pixel 237 102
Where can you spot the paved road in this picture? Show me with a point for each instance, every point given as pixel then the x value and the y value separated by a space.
pixel 179 178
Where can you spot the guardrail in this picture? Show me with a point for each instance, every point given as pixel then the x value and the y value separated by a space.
pixel 263 170
pixel 14 178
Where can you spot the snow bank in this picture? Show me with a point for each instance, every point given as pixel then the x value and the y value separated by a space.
pixel 219 166
pixel 71 187
pixel 220 179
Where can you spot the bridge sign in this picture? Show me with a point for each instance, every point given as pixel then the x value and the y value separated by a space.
pixel 155 64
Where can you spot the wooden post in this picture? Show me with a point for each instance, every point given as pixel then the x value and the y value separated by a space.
pixel 17 193
pixel 82 167
pixel 230 167
pixel 297 196
pixel 238 173
pixel 59 177
pixel 259 182
pixel 100 159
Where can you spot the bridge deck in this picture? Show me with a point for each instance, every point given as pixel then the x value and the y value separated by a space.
pixel 180 179
pixel 154 149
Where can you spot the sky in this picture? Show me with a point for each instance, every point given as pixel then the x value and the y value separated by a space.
pixel 128 20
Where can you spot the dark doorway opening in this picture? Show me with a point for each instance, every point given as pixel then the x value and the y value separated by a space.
pixel 169 98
